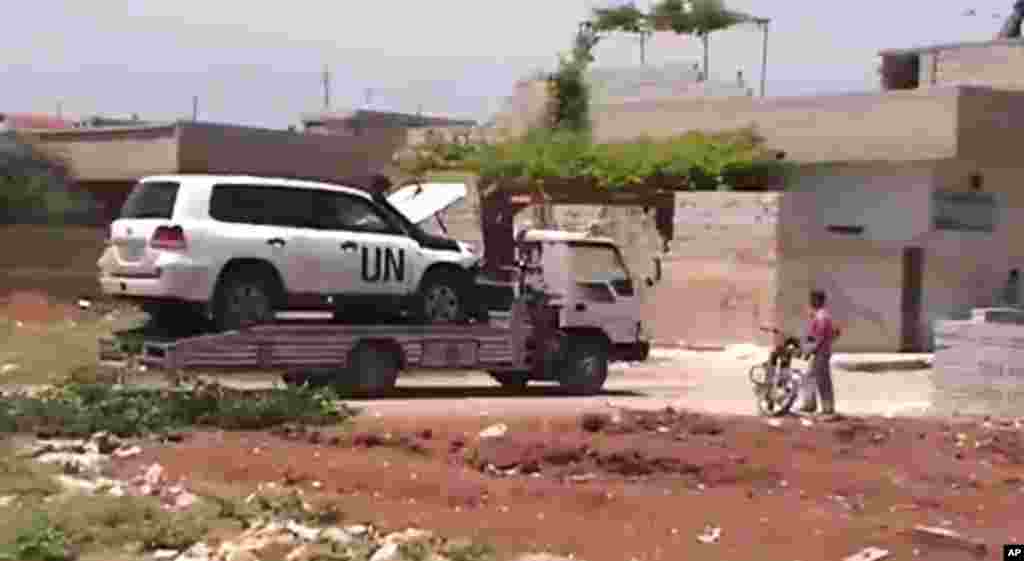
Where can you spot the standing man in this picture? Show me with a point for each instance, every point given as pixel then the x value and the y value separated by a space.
pixel 821 333
pixel 1011 290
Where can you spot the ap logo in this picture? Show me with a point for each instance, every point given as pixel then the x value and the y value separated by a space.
pixel 1013 551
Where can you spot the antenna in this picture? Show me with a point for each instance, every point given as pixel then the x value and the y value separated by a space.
pixel 327 88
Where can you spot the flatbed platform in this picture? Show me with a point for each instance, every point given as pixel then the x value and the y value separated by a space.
pixel 324 345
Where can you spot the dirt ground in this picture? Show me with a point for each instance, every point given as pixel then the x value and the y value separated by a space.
pixel 35 307
pixel 643 486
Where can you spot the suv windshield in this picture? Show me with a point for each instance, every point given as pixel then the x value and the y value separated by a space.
pixel 151 200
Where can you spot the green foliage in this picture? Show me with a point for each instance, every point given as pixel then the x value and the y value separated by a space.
pixel 626 17
pixel 33 182
pixel 39 541
pixel 76 410
pixel 570 97
pixel 569 106
pixel 464 550
pixel 702 161
pixel 702 18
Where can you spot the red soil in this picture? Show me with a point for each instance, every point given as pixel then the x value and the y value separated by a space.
pixel 643 487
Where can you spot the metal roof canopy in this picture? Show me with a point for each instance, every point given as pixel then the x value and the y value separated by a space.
pixel 500 202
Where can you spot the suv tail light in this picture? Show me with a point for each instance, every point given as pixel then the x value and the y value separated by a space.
pixel 169 238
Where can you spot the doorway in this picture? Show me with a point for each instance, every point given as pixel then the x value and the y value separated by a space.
pixel 911 329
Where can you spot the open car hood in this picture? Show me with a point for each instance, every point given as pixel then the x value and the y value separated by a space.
pixel 420 201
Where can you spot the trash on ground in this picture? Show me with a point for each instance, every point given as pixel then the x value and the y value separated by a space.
pixel 868 554
pixel 494 431
pixel 711 534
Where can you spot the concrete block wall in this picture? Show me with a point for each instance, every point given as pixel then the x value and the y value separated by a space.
pixel 997 63
pixel 888 126
pixel 979 366
pixel 718 278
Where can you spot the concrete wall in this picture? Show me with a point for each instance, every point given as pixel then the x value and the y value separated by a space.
pixel 890 126
pixel 227 149
pixel 966 270
pixel 979 366
pixel 990 125
pixel 525 108
pixel 997 63
pixel 116 155
pixel 862 274
pixel 719 277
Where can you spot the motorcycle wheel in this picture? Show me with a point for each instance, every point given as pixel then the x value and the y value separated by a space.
pixel 777 398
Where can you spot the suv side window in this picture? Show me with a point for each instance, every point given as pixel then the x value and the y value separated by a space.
pixel 264 206
pixel 341 211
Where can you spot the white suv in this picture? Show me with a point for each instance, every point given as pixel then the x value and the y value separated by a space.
pixel 240 249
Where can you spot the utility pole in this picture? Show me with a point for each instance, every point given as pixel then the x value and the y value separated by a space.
pixel 764 52
pixel 327 88
pixel 195 108
pixel 369 96
pixel 59 109
pixel 644 36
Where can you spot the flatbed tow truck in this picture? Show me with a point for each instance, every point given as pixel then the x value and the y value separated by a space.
pixel 574 310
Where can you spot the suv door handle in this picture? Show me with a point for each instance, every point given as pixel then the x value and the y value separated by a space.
pixel 276 242
pixel 349 246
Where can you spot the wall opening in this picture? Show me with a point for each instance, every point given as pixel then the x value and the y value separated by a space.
pixel 911 333
pixel 901 72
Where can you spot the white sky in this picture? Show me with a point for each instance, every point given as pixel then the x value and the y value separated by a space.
pixel 260 63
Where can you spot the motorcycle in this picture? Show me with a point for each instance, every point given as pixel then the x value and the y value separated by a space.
pixel 776 382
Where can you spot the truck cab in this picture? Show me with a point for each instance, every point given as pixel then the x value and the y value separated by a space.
pixel 590 286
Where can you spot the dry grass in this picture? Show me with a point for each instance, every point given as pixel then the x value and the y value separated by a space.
pixel 45 354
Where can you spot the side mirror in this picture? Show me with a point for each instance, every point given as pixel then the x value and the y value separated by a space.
pixel 649 281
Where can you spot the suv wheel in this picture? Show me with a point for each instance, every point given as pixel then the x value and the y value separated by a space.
pixel 441 298
pixel 244 298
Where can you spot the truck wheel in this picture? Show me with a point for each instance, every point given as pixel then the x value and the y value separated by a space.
pixel 512 381
pixel 176 318
pixel 373 370
pixel 244 298
pixel 586 367
pixel 440 298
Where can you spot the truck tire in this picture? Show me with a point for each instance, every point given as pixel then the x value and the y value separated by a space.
pixel 245 297
pixel 176 318
pixel 586 366
pixel 512 381
pixel 441 297
pixel 373 370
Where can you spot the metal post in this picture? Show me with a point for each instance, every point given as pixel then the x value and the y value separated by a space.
pixel 327 88
pixel 195 108
pixel 764 55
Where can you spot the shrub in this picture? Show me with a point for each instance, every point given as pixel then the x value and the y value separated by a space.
pixel 76 410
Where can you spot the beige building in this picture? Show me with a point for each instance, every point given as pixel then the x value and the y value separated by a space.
pixel 904 209
pixel 106 162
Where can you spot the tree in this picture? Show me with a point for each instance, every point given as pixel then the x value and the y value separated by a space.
pixel 699 18
pixel 627 18
pixel 33 181
pixel 570 95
